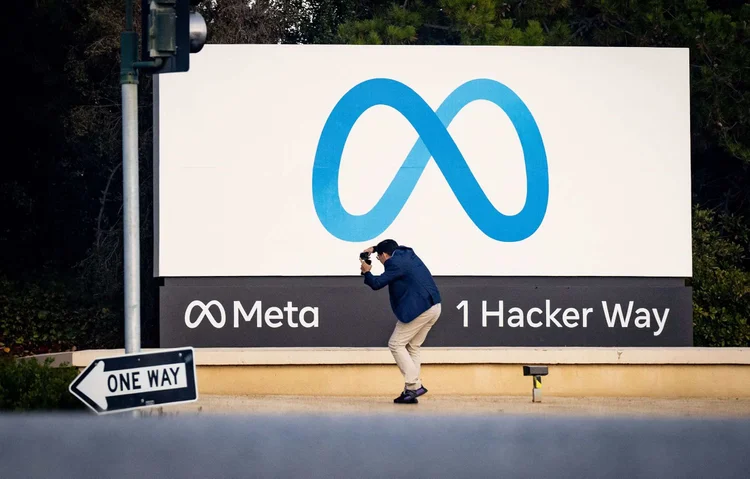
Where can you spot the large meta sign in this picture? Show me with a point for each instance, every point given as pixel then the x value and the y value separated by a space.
pixel 135 381
pixel 534 175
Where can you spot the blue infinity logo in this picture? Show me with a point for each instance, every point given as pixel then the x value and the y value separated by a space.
pixel 434 141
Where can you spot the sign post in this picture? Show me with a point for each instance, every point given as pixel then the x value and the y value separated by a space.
pixel 171 32
pixel 135 381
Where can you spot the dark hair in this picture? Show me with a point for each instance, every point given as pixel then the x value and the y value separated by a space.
pixel 386 246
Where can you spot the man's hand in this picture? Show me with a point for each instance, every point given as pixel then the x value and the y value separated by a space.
pixel 364 267
pixel 370 250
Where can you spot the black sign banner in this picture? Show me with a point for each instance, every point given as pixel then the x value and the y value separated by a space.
pixel 482 312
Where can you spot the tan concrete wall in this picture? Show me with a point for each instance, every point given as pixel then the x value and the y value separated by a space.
pixel 622 372
pixel 480 379
pixel 516 355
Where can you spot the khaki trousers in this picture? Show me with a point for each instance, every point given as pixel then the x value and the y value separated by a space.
pixel 405 342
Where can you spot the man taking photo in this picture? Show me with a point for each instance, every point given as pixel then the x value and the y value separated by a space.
pixel 415 300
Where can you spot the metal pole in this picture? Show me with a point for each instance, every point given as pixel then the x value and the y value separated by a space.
pixel 130 193
pixel 131 217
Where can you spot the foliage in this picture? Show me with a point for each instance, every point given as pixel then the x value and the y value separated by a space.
pixel 260 21
pixel 466 22
pixel 50 317
pixel 28 384
pixel 398 26
pixel 721 281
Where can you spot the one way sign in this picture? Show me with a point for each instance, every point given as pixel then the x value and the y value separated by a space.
pixel 133 381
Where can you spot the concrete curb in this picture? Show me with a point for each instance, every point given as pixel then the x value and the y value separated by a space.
pixel 322 356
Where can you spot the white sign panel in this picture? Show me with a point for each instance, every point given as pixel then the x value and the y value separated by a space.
pixel 288 160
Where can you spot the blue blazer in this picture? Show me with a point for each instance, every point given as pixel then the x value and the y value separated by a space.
pixel 410 285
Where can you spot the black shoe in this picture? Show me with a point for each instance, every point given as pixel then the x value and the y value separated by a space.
pixel 420 391
pixel 408 396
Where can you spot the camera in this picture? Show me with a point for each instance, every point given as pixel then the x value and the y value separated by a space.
pixel 366 257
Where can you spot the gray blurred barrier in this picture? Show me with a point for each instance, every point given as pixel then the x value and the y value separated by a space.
pixel 248 446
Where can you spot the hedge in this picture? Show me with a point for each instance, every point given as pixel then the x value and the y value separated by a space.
pixel 28 385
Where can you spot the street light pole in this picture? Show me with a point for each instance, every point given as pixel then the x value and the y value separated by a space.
pixel 173 33
pixel 130 190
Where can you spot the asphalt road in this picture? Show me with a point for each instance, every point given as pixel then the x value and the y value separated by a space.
pixel 371 446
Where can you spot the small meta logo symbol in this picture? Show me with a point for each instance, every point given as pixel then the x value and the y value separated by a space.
pixel 205 313
pixel 434 142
